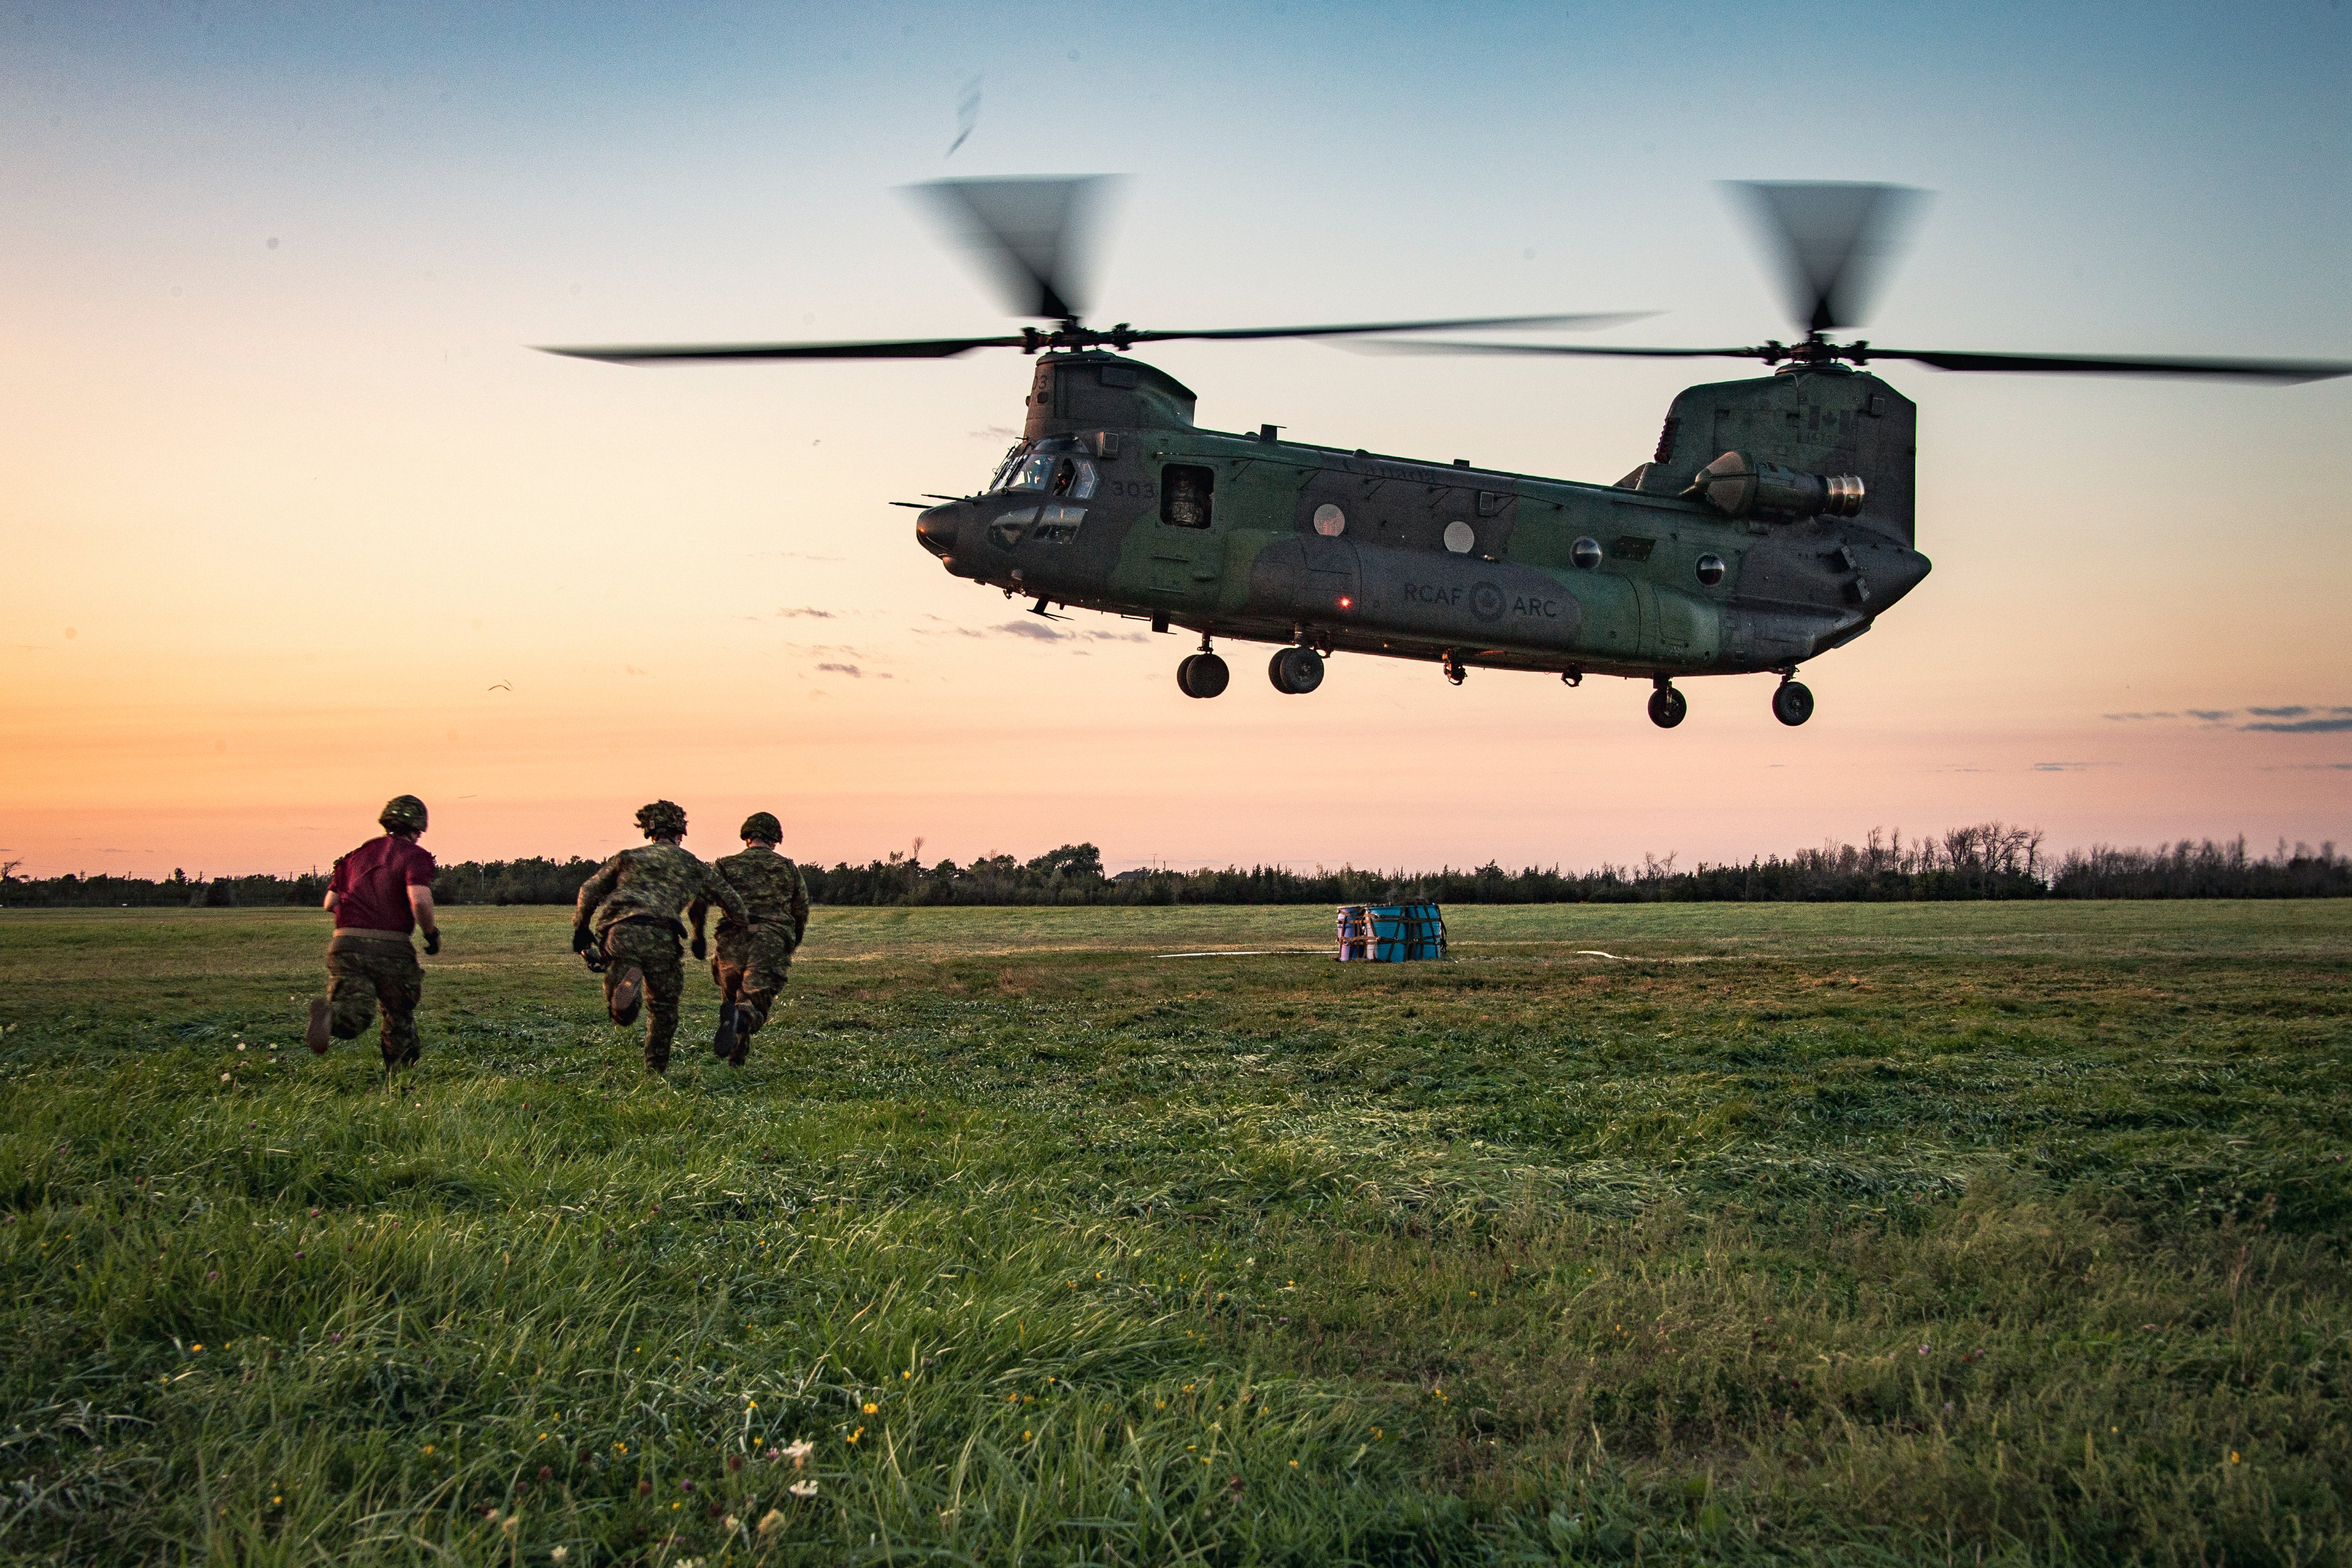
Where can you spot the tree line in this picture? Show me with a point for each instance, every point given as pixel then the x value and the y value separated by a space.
pixel 1989 860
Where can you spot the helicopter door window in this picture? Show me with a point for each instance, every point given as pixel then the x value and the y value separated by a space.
pixel 1184 492
pixel 1032 474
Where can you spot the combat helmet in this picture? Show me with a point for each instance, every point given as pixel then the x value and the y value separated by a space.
pixel 662 819
pixel 402 814
pixel 762 826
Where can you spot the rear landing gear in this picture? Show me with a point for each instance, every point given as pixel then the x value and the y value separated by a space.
pixel 1455 670
pixel 1295 671
pixel 1203 674
pixel 1667 705
pixel 1792 704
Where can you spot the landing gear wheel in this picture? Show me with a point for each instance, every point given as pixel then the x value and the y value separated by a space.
pixel 1202 676
pixel 1455 670
pixel 1792 704
pixel 1667 707
pixel 1295 671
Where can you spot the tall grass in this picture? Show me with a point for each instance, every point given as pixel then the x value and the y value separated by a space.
pixel 1845 1243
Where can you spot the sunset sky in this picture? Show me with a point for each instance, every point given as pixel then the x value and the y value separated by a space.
pixel 294 519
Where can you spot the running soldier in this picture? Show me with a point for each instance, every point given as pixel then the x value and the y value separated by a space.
pixel 626 926
pixel 380 893
pixel 755 955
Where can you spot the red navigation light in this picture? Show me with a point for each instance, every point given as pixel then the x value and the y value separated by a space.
pixel 1347 603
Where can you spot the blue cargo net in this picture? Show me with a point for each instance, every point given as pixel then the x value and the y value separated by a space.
pixel 1390 933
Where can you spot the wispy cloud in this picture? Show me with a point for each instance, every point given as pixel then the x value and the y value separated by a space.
pixel 852 671
pixel 2287 719
pixel 1039 632
pixel 2304 726
pixel 2064 766
pixel 809 611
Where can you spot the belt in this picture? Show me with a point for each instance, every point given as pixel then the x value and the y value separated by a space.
pixel 666 922
pixel 363 934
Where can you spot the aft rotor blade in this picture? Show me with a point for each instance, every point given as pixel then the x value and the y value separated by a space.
pixel 1588 319
pixel 913 348
pixel 1035 235
pixel 1832 241
pixel 2283 371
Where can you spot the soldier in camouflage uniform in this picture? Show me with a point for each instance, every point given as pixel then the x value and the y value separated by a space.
pixel 625 925
pixel 755 955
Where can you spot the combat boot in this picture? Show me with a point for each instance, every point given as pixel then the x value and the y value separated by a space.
pixel 623 995
pixel 722 1044
pixel 319 1033
pixel 746 1020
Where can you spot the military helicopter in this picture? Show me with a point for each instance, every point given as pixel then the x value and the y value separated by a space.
pixel 1773 523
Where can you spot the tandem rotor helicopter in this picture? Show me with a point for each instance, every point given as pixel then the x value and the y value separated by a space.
pixel 1773 523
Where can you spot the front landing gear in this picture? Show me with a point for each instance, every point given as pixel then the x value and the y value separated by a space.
pixel 1792 704
pixel 1455 670
pixel 1203 674
pixel 1667 705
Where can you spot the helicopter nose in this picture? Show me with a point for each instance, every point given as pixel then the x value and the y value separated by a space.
pixel 936 529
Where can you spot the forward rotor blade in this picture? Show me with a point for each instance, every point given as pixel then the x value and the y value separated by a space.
pixel 1033 235
pixel 1832 242
pixel 1588 320
pixel 947 348
pixel 914 349
pixel 2284 370
pixel 1409 346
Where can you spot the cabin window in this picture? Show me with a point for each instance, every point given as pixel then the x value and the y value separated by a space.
pixel 1184 491
pixel 1631 547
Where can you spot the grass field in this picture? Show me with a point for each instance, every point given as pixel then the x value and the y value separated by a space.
pixel 1996 1233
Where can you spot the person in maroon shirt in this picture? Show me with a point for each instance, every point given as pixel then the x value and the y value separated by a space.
pixel 380 893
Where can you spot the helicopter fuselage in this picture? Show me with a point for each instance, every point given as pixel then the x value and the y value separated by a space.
pixel 1116 502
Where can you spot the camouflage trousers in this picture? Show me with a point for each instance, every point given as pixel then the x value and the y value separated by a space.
pixel 751 968
pixel 365 974
pixel 652 948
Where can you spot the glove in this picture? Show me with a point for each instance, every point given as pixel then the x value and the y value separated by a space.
pixel 432 944
pixel 701 949
pixel 582 940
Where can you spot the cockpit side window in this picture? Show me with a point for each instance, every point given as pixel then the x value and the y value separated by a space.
pixel 1074 477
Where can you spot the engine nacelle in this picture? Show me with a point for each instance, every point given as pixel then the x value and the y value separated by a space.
pixel 1738 486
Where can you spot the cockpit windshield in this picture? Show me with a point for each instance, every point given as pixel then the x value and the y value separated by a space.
pixel 1061 474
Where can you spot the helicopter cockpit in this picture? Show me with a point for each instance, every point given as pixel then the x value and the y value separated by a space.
pixel 1051 468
